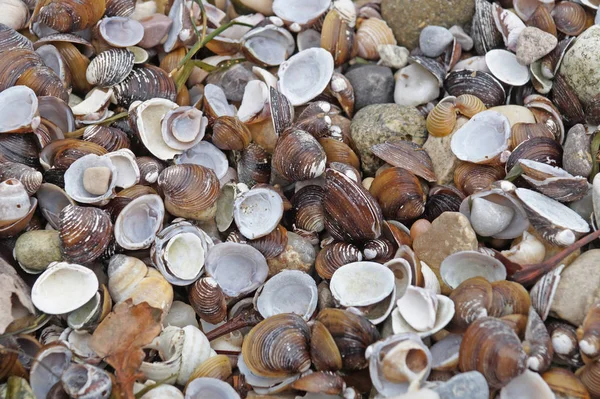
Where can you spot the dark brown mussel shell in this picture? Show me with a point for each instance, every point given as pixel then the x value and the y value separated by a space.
pixel 539 149
pixel 335 255
pixel 308 204
pixel 566 101
pixel 442 199
pixel 399 193
pixel 19 148
pixel 85 233
pixel 254 165
pixel 482 85
pixel 485 35
pixel 407 155
pixel 471 177
pixel 143 83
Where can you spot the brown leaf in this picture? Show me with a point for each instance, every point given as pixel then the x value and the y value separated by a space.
pixel 120 338
pixel 15 296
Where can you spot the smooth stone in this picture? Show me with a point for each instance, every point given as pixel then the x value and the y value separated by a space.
pixel 578 289
pixel 515 113
pixel 443 159
pixel 581 65
pixel 35 250
pixel 465 41
pixel 96 180
pixel 392 56
pixel 451 232
pixel 408 17
pixel 577 157
pixel 375 124
pixel 372 84
pixel 533 44
pixel 434 40
pixel 471 385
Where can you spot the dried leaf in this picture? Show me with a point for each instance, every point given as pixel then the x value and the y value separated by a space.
pixel 120 337
pixel 15 296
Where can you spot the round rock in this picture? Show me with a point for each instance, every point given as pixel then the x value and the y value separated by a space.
pixel 372 84
pixel 434 40
pixel 581 64
pixel 577 156
pixel 35 250
pixel 375 124
pixel 408 17
pixel 533 44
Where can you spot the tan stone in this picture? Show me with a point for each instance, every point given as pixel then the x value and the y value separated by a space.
pixel 96 180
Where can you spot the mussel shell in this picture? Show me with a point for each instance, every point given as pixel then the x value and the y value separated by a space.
pixel 471 178
pixel 567 101
pixel 85 233
pixel 335 255
pixel 407 155
pixel 68 16
pixel 308 204
pixel 482 85
pixel 399 194
pixel 111 138
pixel 299 156
pixel 11 39
pixel 540 149
pixel 19 148
pixel 208 300
pixel 324 352
pixel 484 32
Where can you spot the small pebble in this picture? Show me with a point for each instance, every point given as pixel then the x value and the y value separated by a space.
pixel 393 56
pixel 96 180
pixel 373 84
pixel 465 41
pixel 35 250
pixel 434 40
pixel 533 44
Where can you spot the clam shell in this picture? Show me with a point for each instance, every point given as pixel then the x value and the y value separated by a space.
pixel 110 67
pixel 68 16
pixel 402 322
pixel 308 204
pixel 407 155
pixel 337 37
pixel 298 156
pixel 481 84
pixel 57 357
pixel 566 101
pixel 542 293
pixel 208 300
pixel 11 39
pixel 314 66
pixel 483 29
pixel 268 46
pixel 509 25
pixel 144 83
pixel 24 99
pixel 75 179
pixel 334 256
pixel 139 221
pixel 399 193
pixel 120 31
pixel 150 169
pixel 111 138
pixel 539 149
pixel 183 127
pixel 377 283
pixel 198 387
pixel 444 353
pixel 273 244
pixel 85 233
pixel 282 111
pixel 119 8
pixel 372 33
pixel 464 265
pixel 290 291
pixel 471 178
pixel 528 383
pixel 504 66
pixel 257 212
pixel 542 19
pixel 570 18
pixel 489 146
pixel 300 13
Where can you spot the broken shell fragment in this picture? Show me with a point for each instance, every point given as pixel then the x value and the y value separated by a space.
pixel 435 310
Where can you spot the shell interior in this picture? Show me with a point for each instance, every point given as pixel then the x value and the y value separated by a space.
pixel 257 212
pixel 121 31
pixel 464 265
pixel 444 353
pixel 78 318
pixel 361 283
pixel 207 155
pixel 305 75
pixel 290 291
pixel 444 313
pixel 300 11
pixel 128 172
pixel 210 388
pixel 482 138
pixel 42 379
pixel 270 45
pixel 18 109
pixel 183 127
pixel 64 287
pixel 504 66
pixel 256 97
pixel 149 116
pixel 402 275
pixel 418 307
pixel 137 224
pixel 415 85
pixel 74 176
pixel 215 96
pixel 182 254
pixel 528 384
pixel 95 102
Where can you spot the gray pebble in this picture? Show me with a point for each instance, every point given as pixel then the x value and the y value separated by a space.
pixel 434 40
pixel 372 84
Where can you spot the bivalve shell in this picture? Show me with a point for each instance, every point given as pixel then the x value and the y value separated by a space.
pixel 85 233
pixel 299 156
pixel 482 139
pixel 144 83
pixel 268 46
pixel 399 193
pixel 305 75
pixel 504 66
pixel 208 300
pixel 481 84
pixel 372 33
pixel 290 291
pixel 91 179
pixel 23 100
pixel 422 312
pixel 464 265
pixel 139 221
pixel 299 13
pixel 377 282
pixel 110 67
pixel 257 212
pixel 86 381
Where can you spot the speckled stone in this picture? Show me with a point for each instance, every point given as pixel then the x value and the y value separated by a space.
pixel 35 250
pixel 581 64
pixel 372 84
pixel 377 123
pixel 533 44
pixel 577 157
pixel 408 17
pixel 443 159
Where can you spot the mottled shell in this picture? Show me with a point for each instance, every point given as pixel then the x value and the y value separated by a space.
pixel 191 191
pixel 399 193
pixel 335 255
pixel 370 34
pixel 144 83
pixel 85 233
pixel 299 156
pixel 110 67
pixel 29 177
pixel 208 300
pixel 406 155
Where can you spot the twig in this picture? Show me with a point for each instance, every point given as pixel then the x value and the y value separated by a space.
pixel 75 134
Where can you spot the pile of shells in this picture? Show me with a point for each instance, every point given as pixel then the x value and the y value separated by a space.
pixel 208 160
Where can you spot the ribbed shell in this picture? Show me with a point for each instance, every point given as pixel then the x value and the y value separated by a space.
pixel 254 165
pixel 84 233
pixel 19 148
pixel 282 111
pixel 77 63
pixel 521 132
pixel 379 250
pixel 566 101
pixel 542 19
pixel 338 151
pixel 29 177
pixel 124 197
pixel 442 119
pixel 144 83
pixel 272 244
pixel 229 133
pixel 471 177
pixel 469 105
pixel 491 347
pixel 11 39
pixel 483 30
pixel 119 8
pixel 190 190
pixel 337 37
pixel 308 204
pixel 61 154
pixel 351 212
pixel 539 149
pixel 208 300
pixel 335 255
pixel 299 156
pixel 278 346
pixel 14 63
pixel 69 15
pixel 471 300
pixel 399 194
pixel 110 67
pixel 44 82
pixel 406 155
pixel 150 169
pixel 570 18
pixel 482 85
pixel 508 298
pixel 111 138
pixel 372 33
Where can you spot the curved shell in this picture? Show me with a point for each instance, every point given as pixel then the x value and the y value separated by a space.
pixel 257 212
pixel 183 127
pixel 120 31
pixel 229 133
pixel 299 156
pixel 420 305
pixel 399 193
pixel 305 75
pixel 15 202
pixel 208 300
pixel 85 233
pixel 57 358
pixel 146 120
pixel 334 256
pixel 179 252
pixel 23 100
pixel 144 83
pixel 376 283
pixel 111 138
pixel 483 138
pixel 69 16
pixel 406 155
pixel 268 45
pixel 212 387
pixel 91 179
pixel 84 380
pixel 290 291
pixel 308 204
pixel 371 34
pixel 471 178
pixel 29 177
pixel 110 67
pixel 481 84
pixel 63 287
pixel 139 221
pixel 464 265
pixel 300 13
pixel 472 299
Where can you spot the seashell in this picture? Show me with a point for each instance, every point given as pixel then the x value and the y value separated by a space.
pixel 406 155
pixel 111 138
pixel 298 14
pixel 119 8
pixel 483 29
pixel 257 212
pixel 323 349
pixel 509 25
pixel 69 16
pixel 399 193
pixel 139 221
pixel 469 105
pixel 77 64
pixel 91 314
pixel 508 298
pixel 110 67
pixel 380 250
pixel 10 39
pixel 77 224
pixel 564 342
pixel 25 99
pixel 480 84
pixel 545 112
pixel 542 19
pixel 91 179
pixel 268 45
pixel 504 66
pixel 57 358
pixel 308 204
pixel 570 18
pixel 538 343
pixel 337 37
pixel 492 348
pixel 218 367
pixel 442 118
pixel 352 335
pixel 561 188
pixel 471 178
pixel 379 283
pixel 588 375
pixel 17 209
pixel 290 291
pixel 471 298
pixel 351 213
pixel 529 384
pixel 198 387
pixel 191 191
pixel 492 143
pixel 524 131
pixel 320 382
pixel 273 244
pixel 589 343
pixel 338 151
pixel 341 88
pixel 372 33
pixel 150 169
pixel 552 61
pixel 215 103
pixel 254 107
pixel 444 353
pixel 298 156
pixel 254 165
pixel 315 65
pixel 183 127
pixel 84 380
pixel 463 265
pixel 226 260
pixel 208 300
pixel 137 87
pixel 285 338
pixel 180 315
pixel 472 384
pixel 565 99
pixel 564 383
pixel 562 226
pixel 335 255
pixel 415 85
pixel 230 134
pixel 49 293
pixel 398 362
pixel 538 149
pixel 435 311
pixel 282 111
pixel 120 32
pixel 528 251
pixel 30 178
pixel 52 200
pixel 60 154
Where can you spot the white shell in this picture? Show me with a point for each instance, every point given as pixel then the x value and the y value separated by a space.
pixel 149 115
pixel 124 274
pixel 418 307
pixel 402 275
pixel 255 101
pixel 128 171
pixel 482 138
pixel 78 342
pixel 180 315
pixel 528 251
pixel 415 85
pixel 262 382
pixel 237 268
pixel 96 102
pixel 305 75
pixel 63 287
pixel 205 387
pixel 443 315
pixel 444 353
pixel 184 127
pixel 196 349
pixel 504 66
pixel 137 224
pixel 121 31
pixel 290 291
pixel 207 155
pixel 464 265
pixel 163 392
pixel 15 202
pixel 215 96
pixel 18 109
pixel 74 179
pixel 300 12
pixel 169 345
pixel 529 385
pixel 257 212
pixel 56 358
pixel 361 283
pixel 270 45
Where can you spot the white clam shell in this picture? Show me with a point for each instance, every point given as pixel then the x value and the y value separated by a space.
pixel 137 224
pixel 361 283
pixel 300 12
pixel 257 212
pixel 149 115
pixel 482 138
pixel 128 171
pixel 207 155
pixel 402 275
pixel 56 359
pixel 63 287
pixel 305 75
pixel 415 85
pixel 210 387
pixel 18 109
pixel 443 315
pixel 290 291
pixel 464 265
pixel 504 66
pixel 74 179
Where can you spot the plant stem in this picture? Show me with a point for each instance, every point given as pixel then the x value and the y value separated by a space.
pixel 75 134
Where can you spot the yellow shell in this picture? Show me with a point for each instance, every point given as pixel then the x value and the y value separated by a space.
pixel 370 35
pixel 469 105
pixel 442 119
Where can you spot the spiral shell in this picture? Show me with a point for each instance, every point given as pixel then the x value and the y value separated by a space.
pixel 29 177
pixel 70 15
pixel 278 346
pixel 491 347
pixel 208 300
pixel 335 255
pixel 299 156
pixel 372 33
pixel 85 233
pixel 191 191
pixel 399 193
pixel 229 133
pixel 84 380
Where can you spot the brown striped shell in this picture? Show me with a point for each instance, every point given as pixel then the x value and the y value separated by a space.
pixel 508 298
pixel 11 39
pixel 29 177
pixel 143 83
pixel 150 169
pixel 19 148
pixel 229 133
pixel 469 105
pixel 299 156
pixel 308 204
pixel 521 132
pixel 337 37
pixel 124 197
pixel 379 250
pixel 111 138
pixel 406 155
pixel 272 244
pixel 335 255
pixel 119 8
pixel 85 233
pixel 190 191
pixel 324 352
pixel 60 154
pixel 442 119
pixel 399 193
pixel 254 165
pixel 69 15
pixel 338 151
pixel 471 177
pixel 471 298
pixel 208 300
pixel 542 19
pixel 370 34
pixel 570 18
